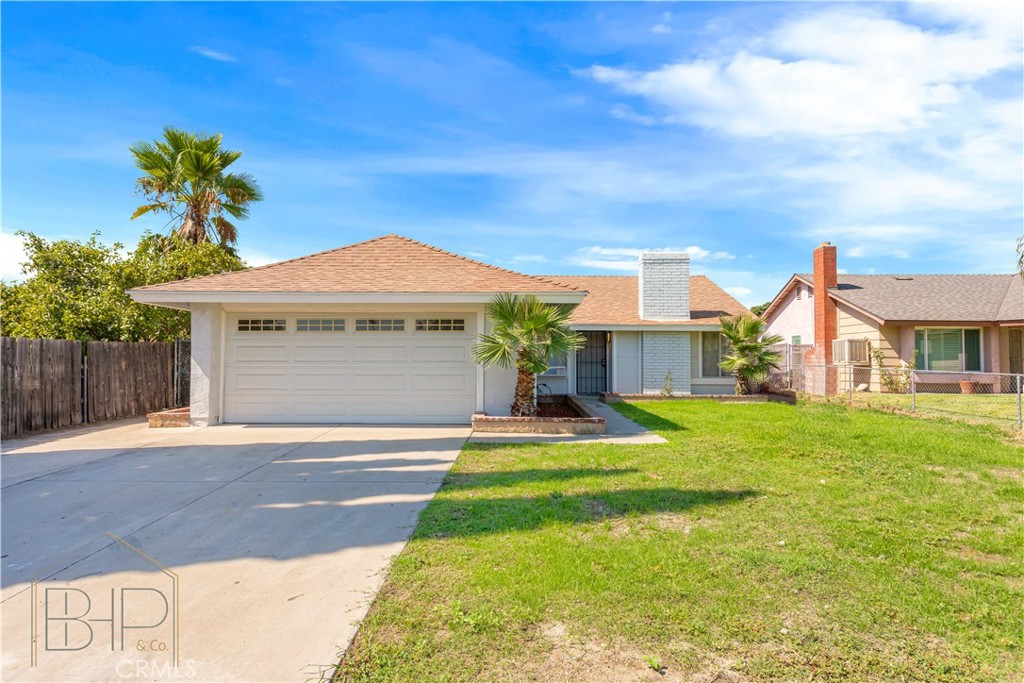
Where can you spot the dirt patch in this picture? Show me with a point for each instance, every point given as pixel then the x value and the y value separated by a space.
pixel 973 555
pixel 676 521
pixel 1012 473
pixel 569 658
pixel 953 475
pixel 557 410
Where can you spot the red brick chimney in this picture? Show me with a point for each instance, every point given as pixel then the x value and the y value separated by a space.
pixel 825 324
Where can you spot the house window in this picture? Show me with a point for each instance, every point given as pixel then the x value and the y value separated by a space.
pixel 948 349
pixel 320 325
pixel 380 325
pixel 557 367
pixel 261 325
pixel 712 347
pixel 795 340
pixel 440 324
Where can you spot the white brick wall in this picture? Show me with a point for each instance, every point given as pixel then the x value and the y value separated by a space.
pixel 664 285
pixel 664 352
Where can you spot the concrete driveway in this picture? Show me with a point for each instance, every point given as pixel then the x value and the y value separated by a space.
pixel 244 553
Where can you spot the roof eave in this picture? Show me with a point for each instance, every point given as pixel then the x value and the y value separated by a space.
pixel 783 293
pixel 646 327
pixel 863 311
pixel 182 299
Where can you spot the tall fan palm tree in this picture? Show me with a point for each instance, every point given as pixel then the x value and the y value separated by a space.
pixel 750 358
pixel 525 333
pixel 185 177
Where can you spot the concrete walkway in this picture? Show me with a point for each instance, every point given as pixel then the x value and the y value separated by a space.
pixel 618 429
pixel 251 551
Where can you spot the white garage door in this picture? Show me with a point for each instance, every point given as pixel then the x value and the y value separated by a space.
pixel 360 368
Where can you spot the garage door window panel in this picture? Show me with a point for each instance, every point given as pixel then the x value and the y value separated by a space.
pixel 380 325
pixel 320 325
pixel 262 325
pixel 440 324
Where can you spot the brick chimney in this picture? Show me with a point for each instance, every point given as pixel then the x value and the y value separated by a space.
pixel 664 285
pixel 825 319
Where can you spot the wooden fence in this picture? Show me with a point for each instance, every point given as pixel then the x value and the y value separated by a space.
pixel 53 383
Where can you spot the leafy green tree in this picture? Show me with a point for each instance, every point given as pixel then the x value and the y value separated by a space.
pixel 1020 254
pixel 760 308
pixel 750 358
pixel 78 290
pixel 525 333
pixel 185 177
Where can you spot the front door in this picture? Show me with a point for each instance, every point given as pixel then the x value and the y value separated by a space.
pixel 1016 351
pixel 592 364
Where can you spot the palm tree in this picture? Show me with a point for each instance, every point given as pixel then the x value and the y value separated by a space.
pixel 185 178
pixel 750 358
pixel 525 333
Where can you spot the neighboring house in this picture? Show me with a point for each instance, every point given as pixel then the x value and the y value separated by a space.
pixel 956 323
pixel 382 331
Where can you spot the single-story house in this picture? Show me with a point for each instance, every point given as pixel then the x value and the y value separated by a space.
pixel 956 323
pixel 382 332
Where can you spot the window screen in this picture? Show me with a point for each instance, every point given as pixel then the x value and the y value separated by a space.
pixel 972 350
pixel 713 347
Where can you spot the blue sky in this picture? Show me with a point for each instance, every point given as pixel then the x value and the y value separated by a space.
pixel 547 138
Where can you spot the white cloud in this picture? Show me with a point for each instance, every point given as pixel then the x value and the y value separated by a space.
pixel 529 258
pixel 866 250
pixel 626 113
pixel 625 258
pixel 12 255
pixel 254 258
pixel 661 28
pixel 837 72
pixel 880 240
pixel 210 53
pixel 887 232
pixel 739 291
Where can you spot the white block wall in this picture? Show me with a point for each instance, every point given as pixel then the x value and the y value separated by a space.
pixel 664 285
pixel 664 352
pixel 204 401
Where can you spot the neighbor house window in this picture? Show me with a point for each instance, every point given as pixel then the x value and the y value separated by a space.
pixel 712 347
pixel 948 350
pixel 795 340
pixel 440 324
pixel 261 325
pixel 320 325
pixel 380 325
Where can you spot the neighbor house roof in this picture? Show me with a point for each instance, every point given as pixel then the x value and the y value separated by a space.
pixel 926 298
pixel 387 264
pixel 614 300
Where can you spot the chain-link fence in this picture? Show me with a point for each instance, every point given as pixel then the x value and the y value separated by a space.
pixel 182 372
pixel 977 396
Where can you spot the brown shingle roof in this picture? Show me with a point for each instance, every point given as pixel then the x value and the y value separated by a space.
pixel 614 300
pixel 391 263
pixel 933 298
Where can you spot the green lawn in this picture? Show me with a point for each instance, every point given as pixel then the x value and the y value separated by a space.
pixel 762 542
pixel 996 408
